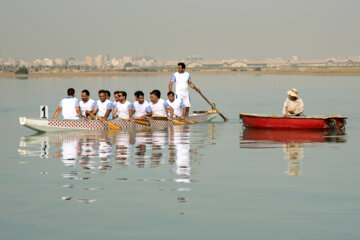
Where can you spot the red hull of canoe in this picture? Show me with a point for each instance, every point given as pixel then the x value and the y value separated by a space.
pixel 278 122
pixel 284 123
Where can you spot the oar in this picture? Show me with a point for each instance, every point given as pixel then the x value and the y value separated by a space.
pixel 139 121
pixel 166 119
pixel 112 126
pixel 187 120
pixel 225 119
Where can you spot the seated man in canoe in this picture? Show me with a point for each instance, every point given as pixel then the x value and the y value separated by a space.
pixel 140 105
pixel 69 106
pixel 176 104
pixel 158 107
pixel 293 105
pixel 123 108
pixel 86 104
pixel 104 106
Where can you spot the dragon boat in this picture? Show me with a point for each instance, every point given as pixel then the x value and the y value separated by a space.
pixel 57 125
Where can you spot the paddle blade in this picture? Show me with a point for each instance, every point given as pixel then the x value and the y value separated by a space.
pixel 177 122
pixel 113 126
pixel 141 121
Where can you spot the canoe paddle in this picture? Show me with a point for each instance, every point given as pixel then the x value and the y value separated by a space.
pixel 139 121
pixel 166 119
pixel 186 120
pixel 212 105
pixel 112 126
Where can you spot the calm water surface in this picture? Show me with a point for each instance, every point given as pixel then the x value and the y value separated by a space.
pixel 205 181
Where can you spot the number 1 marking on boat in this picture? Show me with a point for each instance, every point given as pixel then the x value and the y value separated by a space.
pixel 44 112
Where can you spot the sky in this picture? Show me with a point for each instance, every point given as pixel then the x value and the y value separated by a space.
pixel 167 29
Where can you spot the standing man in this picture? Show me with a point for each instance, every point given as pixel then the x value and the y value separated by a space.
pixel 69 106
pixel 123 108
pixel 140 105
pixel 182 80
pixel 176 104
pixel 103 106
pixel 86 104
pixel 158 107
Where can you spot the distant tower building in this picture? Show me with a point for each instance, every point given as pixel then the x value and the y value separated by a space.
pixel 294 58
pixel 127 59
pixel 99 61
pixel 59 61
pixel 89 61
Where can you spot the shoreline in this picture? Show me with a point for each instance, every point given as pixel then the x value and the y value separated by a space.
pixel 73 74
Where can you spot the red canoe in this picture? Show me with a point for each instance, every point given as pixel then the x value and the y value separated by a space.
pixel 304 122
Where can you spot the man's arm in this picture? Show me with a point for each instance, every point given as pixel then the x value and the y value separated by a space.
pixel 108 111
pixel 171 110
pixel 78 111
pixel 58 110
pixel 94 111
pixel 173 79
pixel 300 108
pixel 131 109
pixel 284 111
pixel 114 112
pixel 192 85
pixel 170 85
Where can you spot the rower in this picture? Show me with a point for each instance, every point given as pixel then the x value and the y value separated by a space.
pixel 122 108
pixel 293 105
pixel 69 106
pixel 140 105
pixel 158 107
pixel 108 94
pixel 182 80
pixel 86 104
pixel 176 104
pixel 103 107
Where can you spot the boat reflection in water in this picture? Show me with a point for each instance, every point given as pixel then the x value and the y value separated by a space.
pixel 84 153
pixel 292 142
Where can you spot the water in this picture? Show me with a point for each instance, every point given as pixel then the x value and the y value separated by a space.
pixel 205 181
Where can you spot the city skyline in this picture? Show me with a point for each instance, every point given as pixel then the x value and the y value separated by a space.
pixel 174 30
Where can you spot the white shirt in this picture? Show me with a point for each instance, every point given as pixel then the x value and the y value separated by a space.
pixel 181 82
pixel 89 106
pixel 68 106
pixel 103 106
pixel 177 105
pixel 159 108
pixel 296 106
pixel 123 109
pixel 140 109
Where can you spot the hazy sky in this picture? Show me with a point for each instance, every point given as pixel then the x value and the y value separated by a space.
pixel 174 29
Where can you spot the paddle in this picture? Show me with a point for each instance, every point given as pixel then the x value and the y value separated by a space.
pixel 187 120
pixel 112 126
pixel 165 119
pixel 139 121
pixel 212 105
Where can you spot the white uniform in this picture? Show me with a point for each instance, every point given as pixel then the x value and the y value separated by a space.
pixel 140 109
pixel 103 106
pixel 181 81
pixel 123 109
pixel 159 108
pixel 68 106
pixel 296 106
pixel 177 105
pixel 89 106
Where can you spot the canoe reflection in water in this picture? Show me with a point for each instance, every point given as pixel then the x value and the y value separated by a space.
pixel 292 142
pixel 90 152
